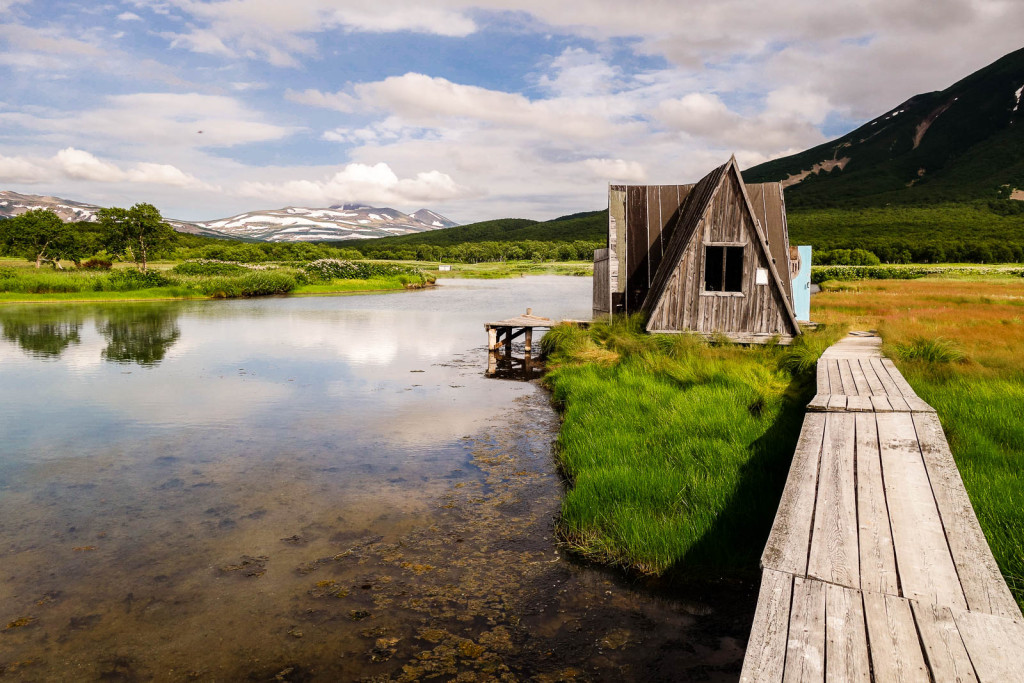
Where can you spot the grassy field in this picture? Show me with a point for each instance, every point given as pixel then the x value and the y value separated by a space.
pixel 21 282
pixel 675 450
pixel 960 344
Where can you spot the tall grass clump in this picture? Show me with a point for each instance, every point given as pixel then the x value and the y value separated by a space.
pixel 258 283
pixel 929 350
pixel 675 451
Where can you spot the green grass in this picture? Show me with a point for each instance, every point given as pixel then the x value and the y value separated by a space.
pixel 19 283
pixel 675 450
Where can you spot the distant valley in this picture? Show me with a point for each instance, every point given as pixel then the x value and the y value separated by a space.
pixel 290 224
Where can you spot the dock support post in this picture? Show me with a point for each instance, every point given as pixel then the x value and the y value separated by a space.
pixel 492 339
pixel 528 339
pixel 508 342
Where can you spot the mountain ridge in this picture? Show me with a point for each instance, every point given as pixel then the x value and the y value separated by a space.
pixel 288 224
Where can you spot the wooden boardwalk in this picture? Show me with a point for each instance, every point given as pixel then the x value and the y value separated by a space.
pixel 876 568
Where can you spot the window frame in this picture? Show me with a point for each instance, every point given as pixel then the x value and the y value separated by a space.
pixel 724 271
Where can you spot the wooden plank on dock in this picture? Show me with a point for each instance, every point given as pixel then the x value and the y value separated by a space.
pixel 980 578
pixel 846 643
pixel 895 649
pixel 821 372
pixel 859 404
pixel 875 387
pixel 790 536
pixel 923 560
pixel 888 386
pixel 766 649
pixel 880 404
pixel 898 403
pixel 819 402
pixel 845 373
pixel 837 402
pixel 877 557
pixel 834 553
pixel 835 380
pixel 805 651
pixel 943 647
pixel 993 643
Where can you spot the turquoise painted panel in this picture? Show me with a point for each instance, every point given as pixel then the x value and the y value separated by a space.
pixel 802 285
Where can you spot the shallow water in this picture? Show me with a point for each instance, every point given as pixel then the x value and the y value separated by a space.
pixel 307 489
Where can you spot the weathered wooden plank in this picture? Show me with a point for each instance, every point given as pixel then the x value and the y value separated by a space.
pixel 877 557
pixel 849 386
pixel 898 379
pixel 923 559
pixel 918 405
pixel 943 648
pixel 819 402
pixel 766 649
pixel 790 536
pixel 898 403
pixel 859 404
pixel 636 246
pixel 883 377
pixel 846 643
pixel 880 404
pixel 875 387
pixel 895 649
pixel 980 578
pixel 837 402
pixel 859 380
pixel 805 651
pixel 617 238
pixel 835 380
pixel 653 232
pixel 994 644
pixel 822 378
pixel 834 554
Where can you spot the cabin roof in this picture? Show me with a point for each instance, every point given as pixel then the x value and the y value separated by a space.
pixel 691 214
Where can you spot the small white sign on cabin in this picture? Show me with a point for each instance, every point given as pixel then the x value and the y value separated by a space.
pixel 444 266
pixel 761 277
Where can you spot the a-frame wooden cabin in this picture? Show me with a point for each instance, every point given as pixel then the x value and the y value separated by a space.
pixel 712 258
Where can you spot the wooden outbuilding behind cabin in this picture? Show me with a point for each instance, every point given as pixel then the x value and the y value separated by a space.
pixel 712 257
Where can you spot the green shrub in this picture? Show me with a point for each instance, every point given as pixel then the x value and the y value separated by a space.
pixel 96 264
pixel 129 279
pixel 258 283
pixel 208 268
pixel 327 269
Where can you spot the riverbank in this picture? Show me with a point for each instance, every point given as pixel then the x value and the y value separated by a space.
pixel 960 344
pixel 21 283
pixel 675 450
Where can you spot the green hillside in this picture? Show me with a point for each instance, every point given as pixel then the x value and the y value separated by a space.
pixel 587 226
pixel 961 144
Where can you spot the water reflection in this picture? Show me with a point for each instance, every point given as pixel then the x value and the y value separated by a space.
pixel 139 335
pixel 41 332
pixel 507 366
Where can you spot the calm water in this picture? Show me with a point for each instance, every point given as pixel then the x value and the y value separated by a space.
pixel 306 489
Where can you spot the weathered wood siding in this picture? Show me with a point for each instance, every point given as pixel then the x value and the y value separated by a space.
pixel 602 290
pixel 756 309
pixel 770 209
pixel 616 244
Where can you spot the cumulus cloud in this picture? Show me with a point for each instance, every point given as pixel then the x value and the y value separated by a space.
pixel 77 164
pixel 21 170
pixel 375 183
pixel 128 16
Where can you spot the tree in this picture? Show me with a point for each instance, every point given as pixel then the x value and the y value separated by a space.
pixel 41 236
pixel 136 231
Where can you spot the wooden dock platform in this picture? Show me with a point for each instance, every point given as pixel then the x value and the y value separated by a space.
pixel 876 568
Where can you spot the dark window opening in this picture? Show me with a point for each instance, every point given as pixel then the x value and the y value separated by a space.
pixel 723 269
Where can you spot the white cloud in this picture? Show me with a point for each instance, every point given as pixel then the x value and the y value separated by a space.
pixel 128 16
pixel 75 163
pixel 21 170
pixel 615 170
pixel 375 183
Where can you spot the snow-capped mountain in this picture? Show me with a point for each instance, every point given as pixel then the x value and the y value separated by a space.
pixel 14 203
pixel 348 221
pixel 290 224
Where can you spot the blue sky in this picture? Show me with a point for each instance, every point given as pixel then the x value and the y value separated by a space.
pixel 477 110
